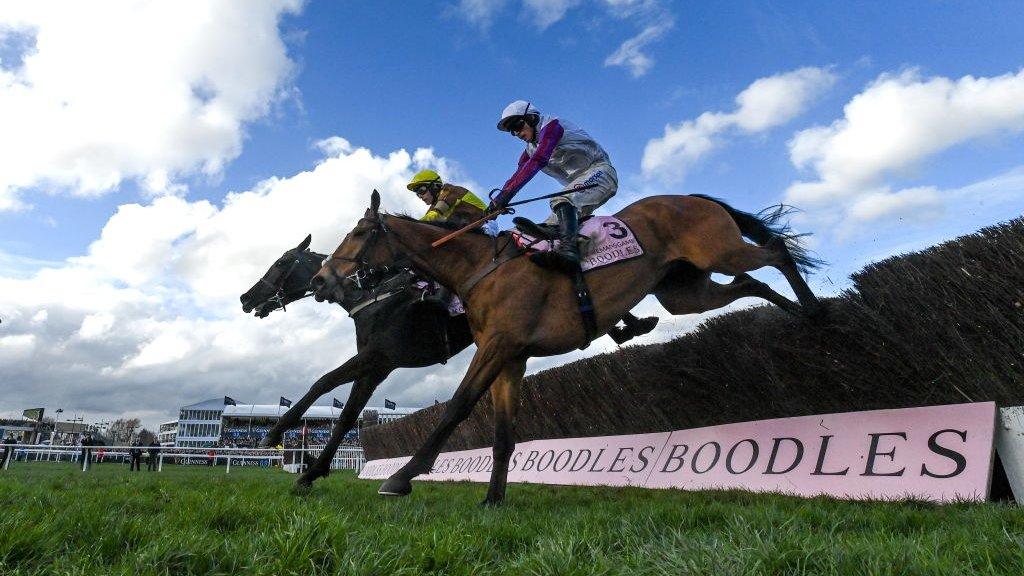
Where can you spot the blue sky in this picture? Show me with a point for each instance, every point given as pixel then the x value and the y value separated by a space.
pixel 932 87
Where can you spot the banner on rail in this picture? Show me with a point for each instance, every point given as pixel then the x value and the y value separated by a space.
pixel 939 453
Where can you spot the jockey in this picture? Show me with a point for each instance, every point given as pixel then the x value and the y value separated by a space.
pixel 568 154
pixel 447 202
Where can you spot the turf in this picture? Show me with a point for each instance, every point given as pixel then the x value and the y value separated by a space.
pixel 57 520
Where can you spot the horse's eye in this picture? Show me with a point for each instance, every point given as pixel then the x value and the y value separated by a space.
pixel 278 264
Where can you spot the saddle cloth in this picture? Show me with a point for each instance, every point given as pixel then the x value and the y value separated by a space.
pixel 606 240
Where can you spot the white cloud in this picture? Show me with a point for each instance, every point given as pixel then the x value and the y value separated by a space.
pixel 892 127
pixel 630 53
pixel 544 13
pixel 148 319
pixel 766 103
pixel 122 90
pixel 479 13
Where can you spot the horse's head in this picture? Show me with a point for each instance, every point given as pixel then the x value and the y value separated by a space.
pixel 286 280
pixel 364 255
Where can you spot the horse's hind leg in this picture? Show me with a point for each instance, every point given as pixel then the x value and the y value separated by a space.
pixel 361 392
pixel 703 294
pixel 742 257
pixel 786 265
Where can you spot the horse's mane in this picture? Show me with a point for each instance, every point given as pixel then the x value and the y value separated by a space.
pixel 446 225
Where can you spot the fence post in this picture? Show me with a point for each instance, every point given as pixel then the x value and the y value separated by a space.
pixel 8 454
pixel 228 471
pixel 86 459
pixel 160 463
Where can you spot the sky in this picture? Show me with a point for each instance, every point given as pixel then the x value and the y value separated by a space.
pixel 157 157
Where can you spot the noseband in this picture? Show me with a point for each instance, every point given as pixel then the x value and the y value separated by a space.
pixel 278 287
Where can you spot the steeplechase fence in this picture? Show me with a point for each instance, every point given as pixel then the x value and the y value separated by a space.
pixel 289 459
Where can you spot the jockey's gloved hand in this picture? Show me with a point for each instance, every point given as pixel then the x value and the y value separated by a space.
pixel 499 199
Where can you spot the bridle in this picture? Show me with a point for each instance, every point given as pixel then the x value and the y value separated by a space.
pixel 278 287
pixel 365 272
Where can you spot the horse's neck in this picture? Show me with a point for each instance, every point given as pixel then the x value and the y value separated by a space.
pixel 450 264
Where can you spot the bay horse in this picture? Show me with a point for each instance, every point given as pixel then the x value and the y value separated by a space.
pixel 394 329
pixel 520 310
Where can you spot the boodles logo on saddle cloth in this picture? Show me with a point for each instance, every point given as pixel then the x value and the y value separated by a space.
pixel 606 240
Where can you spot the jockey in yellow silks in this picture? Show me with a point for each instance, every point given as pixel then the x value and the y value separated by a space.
pixel 447 202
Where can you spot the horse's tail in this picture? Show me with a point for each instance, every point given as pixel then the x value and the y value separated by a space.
pixel 767 225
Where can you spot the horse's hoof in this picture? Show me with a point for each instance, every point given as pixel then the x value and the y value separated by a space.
pixel 302 486
pixel 816 313
pixel 395 487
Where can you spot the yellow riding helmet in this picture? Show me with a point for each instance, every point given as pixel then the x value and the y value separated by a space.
pixel 423 177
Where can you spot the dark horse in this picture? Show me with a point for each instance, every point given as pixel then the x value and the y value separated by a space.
pixel 394 329
pixel 525 311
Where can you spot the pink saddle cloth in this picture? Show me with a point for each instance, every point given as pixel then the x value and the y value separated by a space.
pixel 606 240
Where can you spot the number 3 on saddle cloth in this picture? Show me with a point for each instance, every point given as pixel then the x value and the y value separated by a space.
pixel 603 240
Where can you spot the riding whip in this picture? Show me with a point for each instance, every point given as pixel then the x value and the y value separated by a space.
pixel 503 210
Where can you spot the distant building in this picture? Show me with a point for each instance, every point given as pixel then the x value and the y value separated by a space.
pixel 210 422
pixel 199 424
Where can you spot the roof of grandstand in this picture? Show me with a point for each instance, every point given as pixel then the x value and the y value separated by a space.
pixel 274 411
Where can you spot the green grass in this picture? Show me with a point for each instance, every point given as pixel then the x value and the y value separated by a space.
pixel 57 520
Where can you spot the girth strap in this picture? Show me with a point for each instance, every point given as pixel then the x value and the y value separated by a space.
pixel 374 300
pixel 585 305
pixel 505 256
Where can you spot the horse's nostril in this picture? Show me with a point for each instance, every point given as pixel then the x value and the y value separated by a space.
pixel 317 282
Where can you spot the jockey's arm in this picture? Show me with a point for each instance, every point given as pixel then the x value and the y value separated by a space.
pixel 546 142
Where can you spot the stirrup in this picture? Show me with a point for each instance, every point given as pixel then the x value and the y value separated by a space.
pixel 555 260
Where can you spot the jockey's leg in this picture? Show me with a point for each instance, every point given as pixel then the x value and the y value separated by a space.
pixel 566 256
pixel 568 209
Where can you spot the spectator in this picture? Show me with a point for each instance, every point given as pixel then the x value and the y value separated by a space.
pixel 86 444
pixel 8 451
pixel 135 452
pixel 154 452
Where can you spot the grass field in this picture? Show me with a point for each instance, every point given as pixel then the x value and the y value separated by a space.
pixel 57 520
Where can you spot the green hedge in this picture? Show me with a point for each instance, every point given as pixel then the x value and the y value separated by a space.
pixel 940 326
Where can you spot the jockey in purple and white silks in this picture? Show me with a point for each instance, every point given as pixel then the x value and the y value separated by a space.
pixel 568 154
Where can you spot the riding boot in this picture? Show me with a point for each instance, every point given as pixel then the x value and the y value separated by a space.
pixel 634 327
pixel 566 257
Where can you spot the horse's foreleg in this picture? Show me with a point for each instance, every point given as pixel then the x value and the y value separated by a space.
pixel 361 392
pixel 505 397
pixel 353 368
pixel 490 359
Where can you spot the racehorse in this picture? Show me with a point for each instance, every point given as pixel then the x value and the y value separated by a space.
pixel 394 329
pixel 517 310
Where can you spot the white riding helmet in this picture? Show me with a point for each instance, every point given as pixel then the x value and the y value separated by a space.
pixel 514 110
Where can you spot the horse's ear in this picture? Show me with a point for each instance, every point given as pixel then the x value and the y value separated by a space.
pixel 305 243
pixel 374 202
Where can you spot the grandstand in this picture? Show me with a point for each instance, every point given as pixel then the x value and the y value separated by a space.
pixel 212 423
